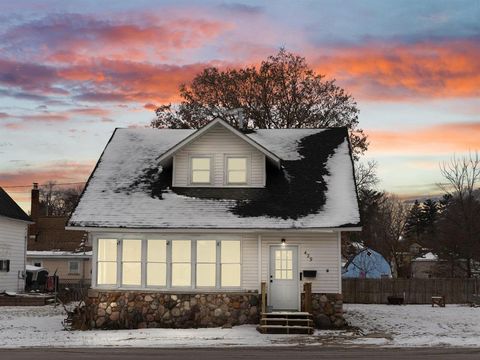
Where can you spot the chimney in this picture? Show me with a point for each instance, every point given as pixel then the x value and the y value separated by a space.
pixel 35 205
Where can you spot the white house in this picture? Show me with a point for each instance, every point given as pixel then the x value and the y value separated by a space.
pixel 13 239
pixel 187 224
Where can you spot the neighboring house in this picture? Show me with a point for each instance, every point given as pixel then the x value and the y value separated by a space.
pixel 13 239
pixel 60 251
pixel 367 264
pixel 187 224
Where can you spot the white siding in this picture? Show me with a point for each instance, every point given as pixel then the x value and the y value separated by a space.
pixel 219 142
pixel 12 247
pixel 250 263
pixel 323 249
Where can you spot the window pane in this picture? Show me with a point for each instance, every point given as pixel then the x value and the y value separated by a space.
pixel 206 275
pixel 156 274
pixel 132 250
pixel 181 250
pixel 107 273
pixel 200 176
pixel 181 275
pixel 206 251
pixel 201 163
pixel 230 275
pixel 132 273
pixel 237 177
pixel 107 249
pixel 157 250
pixel 230 252
pixel 237 164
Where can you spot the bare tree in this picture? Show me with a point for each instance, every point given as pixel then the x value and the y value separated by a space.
pixel 459 224
pixel 58 201
pixel 283 92
pixel 366 175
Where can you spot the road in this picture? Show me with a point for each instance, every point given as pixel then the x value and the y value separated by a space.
pixel 274 353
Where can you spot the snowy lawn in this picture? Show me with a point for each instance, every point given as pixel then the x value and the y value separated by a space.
pixel 411 325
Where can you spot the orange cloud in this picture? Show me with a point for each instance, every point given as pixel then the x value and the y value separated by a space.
pixel 397 71
pixel 443 138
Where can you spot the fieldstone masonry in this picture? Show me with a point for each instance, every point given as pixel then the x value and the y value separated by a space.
pixel 115 309
pixel 132 310
pixel 327 311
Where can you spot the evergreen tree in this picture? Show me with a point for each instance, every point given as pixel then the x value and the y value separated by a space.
pixel 414 227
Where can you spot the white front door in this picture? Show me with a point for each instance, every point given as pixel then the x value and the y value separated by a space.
pixel 283 277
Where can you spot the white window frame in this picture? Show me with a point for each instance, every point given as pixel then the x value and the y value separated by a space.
pixel 190 169
pixel 248 159
pixel 77 272
pixel 169 238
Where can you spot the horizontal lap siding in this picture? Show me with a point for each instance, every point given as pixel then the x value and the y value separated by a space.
pixel 250 263
pixel 219 142
pixel 324 251
pixel 12 247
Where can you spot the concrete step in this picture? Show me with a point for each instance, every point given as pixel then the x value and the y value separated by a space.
pixel 285 329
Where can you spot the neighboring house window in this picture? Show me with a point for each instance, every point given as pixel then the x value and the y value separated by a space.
pixel 181 263
pixel 107 262
pixel 200 170
pixel 132 262
pixel 157 263
pixel 206 263
pixel 230 263
pixel 236 170
pixel 73 267
pixel 4 265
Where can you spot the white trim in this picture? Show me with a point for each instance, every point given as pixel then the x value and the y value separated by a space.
pixel 204 129
pixel 214 230
pixel 259 262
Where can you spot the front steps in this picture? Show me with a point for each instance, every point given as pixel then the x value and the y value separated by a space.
pixel 282 322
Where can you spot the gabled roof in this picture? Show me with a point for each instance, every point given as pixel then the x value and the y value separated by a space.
pixel 314 187
pixel 195 135
pixel 10 209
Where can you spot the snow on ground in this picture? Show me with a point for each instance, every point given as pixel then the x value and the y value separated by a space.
pixel 373 325
pixel 414 325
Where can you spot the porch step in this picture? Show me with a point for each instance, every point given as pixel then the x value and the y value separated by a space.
pixel 283 322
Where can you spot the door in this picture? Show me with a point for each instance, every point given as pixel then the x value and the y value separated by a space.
pixel 283 285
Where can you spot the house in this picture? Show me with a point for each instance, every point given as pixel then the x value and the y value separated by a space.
pixel 367 264
pixel 186 225
pixel 60 251
pixel 13 239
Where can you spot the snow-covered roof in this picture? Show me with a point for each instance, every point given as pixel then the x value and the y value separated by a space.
pixel 58 254
pixel 314 188
pixel 427 257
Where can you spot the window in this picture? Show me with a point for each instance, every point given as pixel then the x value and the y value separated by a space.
pixel 230 263
pixel 181 263
pixel 73 267
pixel 236 170
pixel 37 263
pixel 157 263
pixel 206 263
pixel 107 262
pixel 4 265
pixel 200 170
pixel 132 262
pixel 283 264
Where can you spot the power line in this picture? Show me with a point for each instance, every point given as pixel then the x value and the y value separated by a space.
pixel 29 186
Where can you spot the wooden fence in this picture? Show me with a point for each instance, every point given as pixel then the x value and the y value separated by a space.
pixel 415 291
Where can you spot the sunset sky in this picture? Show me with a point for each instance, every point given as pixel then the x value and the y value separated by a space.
pixel 72 71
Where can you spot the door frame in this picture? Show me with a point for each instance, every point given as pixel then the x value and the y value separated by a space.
pixel 299 294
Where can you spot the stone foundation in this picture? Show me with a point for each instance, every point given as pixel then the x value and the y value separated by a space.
pixel 106 309
pixel 327 310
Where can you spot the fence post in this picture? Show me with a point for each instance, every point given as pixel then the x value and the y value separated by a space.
pixel 307 288
pixel 264 297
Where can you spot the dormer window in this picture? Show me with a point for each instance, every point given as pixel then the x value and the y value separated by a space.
pixel 237 170
pixel 200 170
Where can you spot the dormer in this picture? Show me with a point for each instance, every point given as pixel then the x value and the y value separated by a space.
pixel 219 155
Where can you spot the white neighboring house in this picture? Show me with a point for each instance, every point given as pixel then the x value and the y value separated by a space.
pixel 215 212
pixel 13 239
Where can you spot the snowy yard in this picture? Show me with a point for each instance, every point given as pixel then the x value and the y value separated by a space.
pixel 411 325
